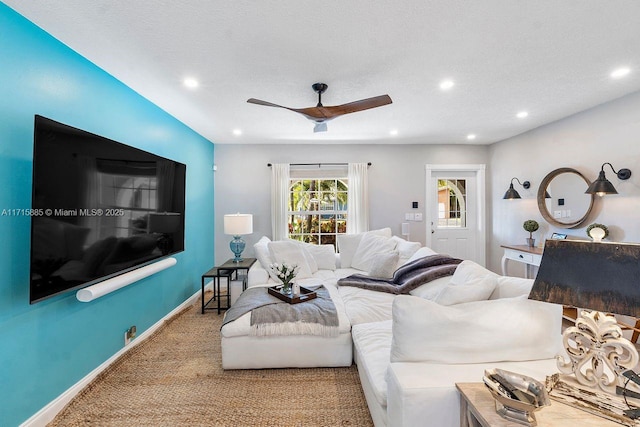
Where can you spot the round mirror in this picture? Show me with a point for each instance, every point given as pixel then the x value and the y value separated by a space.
pixel 562 200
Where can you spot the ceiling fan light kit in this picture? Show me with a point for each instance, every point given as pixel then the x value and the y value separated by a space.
pixel 321 114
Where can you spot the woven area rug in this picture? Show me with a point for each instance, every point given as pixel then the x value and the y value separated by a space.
pixel 175 378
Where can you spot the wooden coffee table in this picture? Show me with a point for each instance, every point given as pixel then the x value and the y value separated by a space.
pixel 478 408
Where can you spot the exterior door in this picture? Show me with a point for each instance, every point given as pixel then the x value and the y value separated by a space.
pixel 455 211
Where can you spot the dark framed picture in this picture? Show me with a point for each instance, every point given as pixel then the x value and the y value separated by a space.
pixel 558 236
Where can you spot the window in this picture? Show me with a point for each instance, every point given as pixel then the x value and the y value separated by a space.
pixel 317 210
pixel 452 203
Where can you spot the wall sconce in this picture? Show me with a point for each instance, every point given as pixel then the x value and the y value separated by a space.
pixel 512 193
pixel 238 225
pixel 602 185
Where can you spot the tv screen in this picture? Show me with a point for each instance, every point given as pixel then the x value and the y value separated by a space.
pixel 99 208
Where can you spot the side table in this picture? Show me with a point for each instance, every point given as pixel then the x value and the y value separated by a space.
pixel 530 256
pixel 478 408
pixel 230 270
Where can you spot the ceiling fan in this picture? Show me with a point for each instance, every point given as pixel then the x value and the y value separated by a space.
pixel 321 114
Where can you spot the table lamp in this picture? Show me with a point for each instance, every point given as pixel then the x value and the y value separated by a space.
pixel 237 225
pixel 602 277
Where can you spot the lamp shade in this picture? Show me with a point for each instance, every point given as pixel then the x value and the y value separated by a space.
pixel 238 224
pixel 511 193
pixel 598 276
pixel 601 186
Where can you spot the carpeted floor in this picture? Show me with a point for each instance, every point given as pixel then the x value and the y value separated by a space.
pixel 175 378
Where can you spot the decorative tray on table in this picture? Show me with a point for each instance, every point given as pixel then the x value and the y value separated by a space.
pixel 305 294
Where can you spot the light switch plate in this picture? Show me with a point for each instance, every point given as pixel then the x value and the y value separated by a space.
pixel 418 216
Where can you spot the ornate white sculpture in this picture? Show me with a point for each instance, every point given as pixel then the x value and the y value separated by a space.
pixel 598 352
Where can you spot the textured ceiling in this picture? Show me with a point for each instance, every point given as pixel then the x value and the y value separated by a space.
pixel 551 58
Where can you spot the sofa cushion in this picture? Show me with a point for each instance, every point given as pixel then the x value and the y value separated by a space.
pixel 285 252
pixel 348 244
pixel 370 245
pixel 261 250
pixel 507 329
pixel 372 342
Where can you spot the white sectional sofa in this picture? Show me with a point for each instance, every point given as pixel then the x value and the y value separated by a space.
pixel 410 350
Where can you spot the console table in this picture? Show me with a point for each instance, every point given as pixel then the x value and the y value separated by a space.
pixel 531 256
pixel 230 270
pixel 478 408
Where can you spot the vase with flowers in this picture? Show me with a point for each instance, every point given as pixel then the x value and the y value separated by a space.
pixel 286 273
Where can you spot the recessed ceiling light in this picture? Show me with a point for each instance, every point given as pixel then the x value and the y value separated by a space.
pixel 620 72
pixel 522 114
pixel 393 132
pixel 190 82
pixel 471 136
pixel 237 132
pixel 446 84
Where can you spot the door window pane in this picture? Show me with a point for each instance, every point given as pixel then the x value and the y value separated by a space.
pixel 452 203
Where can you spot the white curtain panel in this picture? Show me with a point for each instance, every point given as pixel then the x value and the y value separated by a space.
pixel 358 199
pixel 279 200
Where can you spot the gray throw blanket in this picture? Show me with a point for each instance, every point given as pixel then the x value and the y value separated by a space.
pixel 407 277
pixel 272 316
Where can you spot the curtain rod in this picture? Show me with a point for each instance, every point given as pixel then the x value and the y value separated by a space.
pixel 318 164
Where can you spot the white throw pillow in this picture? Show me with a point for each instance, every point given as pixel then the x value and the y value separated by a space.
pixel 370 245
pixel 405 249
pixel 421 253
pixel 468 272
pixel 510 287
pixel 432 289
pixel 323 256
pixel 383 265
pixel 508 329
pixel 348 244
pixel 290 253
pixel 479 290
pixel 261 249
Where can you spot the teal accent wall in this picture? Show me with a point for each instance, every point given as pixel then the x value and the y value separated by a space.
pixel 47 347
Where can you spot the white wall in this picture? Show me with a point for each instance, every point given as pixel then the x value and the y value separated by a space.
pixel 396 178
pixel 607 133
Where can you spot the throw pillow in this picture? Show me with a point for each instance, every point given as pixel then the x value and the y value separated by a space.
pixel 261 249
pixel 479 290
pixel 510 287
pixel 432 289
pixel 383 265
pixel 405 249
pixel 289 253
pixel 470 272
pixel 370 245
pixel 325 256
pixel 348 244
pixel 508 329
pixel 421 253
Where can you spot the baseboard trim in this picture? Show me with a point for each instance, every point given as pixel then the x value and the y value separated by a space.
pixel 48 413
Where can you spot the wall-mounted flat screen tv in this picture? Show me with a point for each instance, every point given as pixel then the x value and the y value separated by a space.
pixel 100 208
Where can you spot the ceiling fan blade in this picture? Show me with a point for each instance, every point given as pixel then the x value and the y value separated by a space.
pixel 268 104
pixel 353 107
